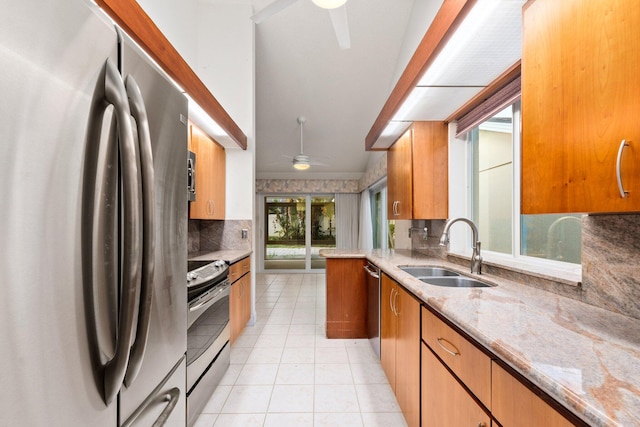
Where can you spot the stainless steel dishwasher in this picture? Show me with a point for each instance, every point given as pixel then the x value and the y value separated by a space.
pixel 373 306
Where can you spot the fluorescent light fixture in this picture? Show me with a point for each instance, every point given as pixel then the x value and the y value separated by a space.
pixel 394 128
pixel 204 121
pixel 329 4
pixel 409 104
pixel 478 19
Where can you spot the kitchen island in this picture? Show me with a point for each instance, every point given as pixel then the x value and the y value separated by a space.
pixel 585 358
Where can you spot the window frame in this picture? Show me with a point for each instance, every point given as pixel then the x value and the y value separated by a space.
pixel 462 204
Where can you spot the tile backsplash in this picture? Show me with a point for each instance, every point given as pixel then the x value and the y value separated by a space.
pixel 207 236
pixel 610 263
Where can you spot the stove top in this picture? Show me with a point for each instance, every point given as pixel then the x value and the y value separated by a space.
pixel 203 275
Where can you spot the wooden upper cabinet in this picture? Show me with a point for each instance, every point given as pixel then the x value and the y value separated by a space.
pixel 399 178
pixel 580 100
pixel 210 176
pixel 417 173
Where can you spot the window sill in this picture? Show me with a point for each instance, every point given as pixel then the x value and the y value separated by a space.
pixel 559 272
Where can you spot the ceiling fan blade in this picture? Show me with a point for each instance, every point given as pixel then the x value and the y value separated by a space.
pixel 271 9
pixel 341 26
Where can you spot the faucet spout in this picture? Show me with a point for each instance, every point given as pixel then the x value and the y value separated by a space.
pixel 476 258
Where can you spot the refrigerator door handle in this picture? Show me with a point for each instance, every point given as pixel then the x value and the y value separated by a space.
pixel 139 113
pixel 97 225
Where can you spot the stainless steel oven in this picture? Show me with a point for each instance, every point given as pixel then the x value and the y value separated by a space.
pixel 208 332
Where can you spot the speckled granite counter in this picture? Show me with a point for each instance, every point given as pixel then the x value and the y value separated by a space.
pixel 230 256
pixel 587 358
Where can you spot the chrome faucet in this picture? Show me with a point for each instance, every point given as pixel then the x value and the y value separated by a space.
pixel 476 259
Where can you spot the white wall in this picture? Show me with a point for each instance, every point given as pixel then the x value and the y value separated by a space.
pixel 459 203
pixel 217 41
pixel 175 20
pixel 422 15
pixel 225 54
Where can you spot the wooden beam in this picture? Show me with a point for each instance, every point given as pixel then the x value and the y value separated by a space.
pixel 446 21
pixel 137 24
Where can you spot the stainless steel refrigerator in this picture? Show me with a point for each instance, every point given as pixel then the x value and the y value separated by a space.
pixel 93 224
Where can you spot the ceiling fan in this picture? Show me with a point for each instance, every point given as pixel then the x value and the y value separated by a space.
pixel 301 161
pixel 337 11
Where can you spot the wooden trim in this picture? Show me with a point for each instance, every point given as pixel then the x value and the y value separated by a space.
pixel 139 26
pixel 446 21
pixel 504 78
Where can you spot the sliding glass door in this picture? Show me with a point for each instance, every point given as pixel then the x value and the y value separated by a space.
pixel 296 228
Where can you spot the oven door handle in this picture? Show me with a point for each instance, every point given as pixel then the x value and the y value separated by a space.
pixel 212 299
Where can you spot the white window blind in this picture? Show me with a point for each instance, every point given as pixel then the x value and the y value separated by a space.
pixel 500 99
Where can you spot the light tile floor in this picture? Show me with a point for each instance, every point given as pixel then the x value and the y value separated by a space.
pixel 285 372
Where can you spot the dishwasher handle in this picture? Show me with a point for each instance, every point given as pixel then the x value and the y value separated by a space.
pixel 371 272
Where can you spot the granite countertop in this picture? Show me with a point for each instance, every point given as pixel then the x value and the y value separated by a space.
pixel 229 255
pixel 585 357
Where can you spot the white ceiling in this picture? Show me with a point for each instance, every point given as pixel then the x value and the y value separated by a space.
pixel 301 71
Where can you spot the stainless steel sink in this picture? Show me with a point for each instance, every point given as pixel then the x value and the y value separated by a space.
pixel 455 282
pixel 428 271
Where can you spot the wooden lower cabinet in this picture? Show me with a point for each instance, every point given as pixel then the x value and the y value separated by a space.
pixel 239 298
pixel 346 298
pixel 514 405
pixel 445 403
pixel 465 360
pixel 462 385
pixel 400 346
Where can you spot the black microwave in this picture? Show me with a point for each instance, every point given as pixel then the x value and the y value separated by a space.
pixel 191 175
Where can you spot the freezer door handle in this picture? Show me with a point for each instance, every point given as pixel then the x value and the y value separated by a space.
pixel 139 113
pixel 172 396
pixel 99 238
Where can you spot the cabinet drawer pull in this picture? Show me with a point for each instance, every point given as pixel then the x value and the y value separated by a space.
pixel 453 353
pixel 483 424
pixel 623 193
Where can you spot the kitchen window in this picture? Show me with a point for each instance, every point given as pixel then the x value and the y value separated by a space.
pixel 491 198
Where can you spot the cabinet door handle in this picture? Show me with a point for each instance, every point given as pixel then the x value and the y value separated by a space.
pixel 623 193
pixel 395 303
pixel 454 352
pixel 391 301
